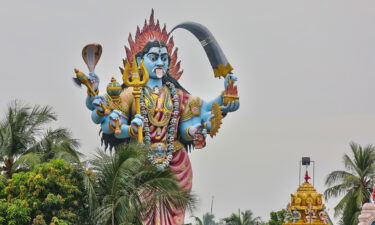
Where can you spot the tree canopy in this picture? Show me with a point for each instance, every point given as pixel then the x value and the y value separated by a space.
pixel 50 192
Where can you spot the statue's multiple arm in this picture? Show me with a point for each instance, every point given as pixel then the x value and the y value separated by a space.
pixel 189 127
pixel 112 122
pixel 115 122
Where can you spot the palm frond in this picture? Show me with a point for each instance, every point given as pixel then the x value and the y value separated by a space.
pixel 132 188
pixel 26 161
pixel 342 204
pixel 38 117
pixel 336 191
pixel 336 176
pixel 197 220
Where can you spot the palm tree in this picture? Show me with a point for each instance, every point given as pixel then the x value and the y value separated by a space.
pixel 57 143
pixel 208 219
pixel 242 218
pixel 355 183
pixel 127 188
pixel 24 141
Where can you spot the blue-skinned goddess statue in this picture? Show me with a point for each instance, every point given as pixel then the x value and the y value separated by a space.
pixel 151 106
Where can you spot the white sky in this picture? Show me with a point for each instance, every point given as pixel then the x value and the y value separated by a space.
pixel 305 70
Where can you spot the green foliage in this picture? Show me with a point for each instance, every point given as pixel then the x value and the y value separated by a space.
pixel 355 183
pixel 123 178
pixel 39 220
pixel 16 212
pixel 208 219
pixel 50 194
pixel 242 218
pixel 24 141
pixel 277 218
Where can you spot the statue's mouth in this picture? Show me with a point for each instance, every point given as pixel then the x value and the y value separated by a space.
pixel 159 72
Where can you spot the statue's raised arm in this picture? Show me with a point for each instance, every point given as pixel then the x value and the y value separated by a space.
pixel 202 117
pixel 208 117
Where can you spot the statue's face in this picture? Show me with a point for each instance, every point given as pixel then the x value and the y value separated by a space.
pixel 157 62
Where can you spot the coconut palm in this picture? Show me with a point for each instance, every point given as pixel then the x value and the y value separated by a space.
pixel 57 143
pixel 24 140
pixel 355 183
pixel 128 188
pixel 242 218
pixel 208 219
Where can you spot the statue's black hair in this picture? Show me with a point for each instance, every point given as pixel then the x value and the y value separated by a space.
pixel 149 45
pixel 110 141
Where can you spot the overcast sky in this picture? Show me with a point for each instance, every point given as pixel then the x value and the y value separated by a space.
pixel 305 69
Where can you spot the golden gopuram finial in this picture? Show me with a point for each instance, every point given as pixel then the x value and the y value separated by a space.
pixel 306 206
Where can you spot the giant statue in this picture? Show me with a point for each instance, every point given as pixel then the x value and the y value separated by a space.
pixel 151 106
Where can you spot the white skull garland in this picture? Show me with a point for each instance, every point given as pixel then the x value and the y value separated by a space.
pixel 160 155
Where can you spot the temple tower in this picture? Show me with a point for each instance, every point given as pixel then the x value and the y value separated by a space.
pixel 306 205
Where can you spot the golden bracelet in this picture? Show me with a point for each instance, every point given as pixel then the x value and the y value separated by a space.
pixel 113 129
pixel 131 132
pixel 101 114
pixel 187 133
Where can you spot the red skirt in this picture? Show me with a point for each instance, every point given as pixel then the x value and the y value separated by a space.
pixel 181 168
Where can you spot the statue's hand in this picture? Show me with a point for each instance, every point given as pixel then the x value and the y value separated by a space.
pixel 198 128
pixel 115 119
pixel 199 134
pixel 137 122
pixel 231 107
pixel 93 80
pixel 193 129
pixel 228 79
pixel 99 103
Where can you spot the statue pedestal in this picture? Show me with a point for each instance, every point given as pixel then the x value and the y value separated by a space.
pixel 367 216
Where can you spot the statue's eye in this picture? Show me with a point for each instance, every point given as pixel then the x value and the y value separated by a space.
pixel 164 58
pixel 152 57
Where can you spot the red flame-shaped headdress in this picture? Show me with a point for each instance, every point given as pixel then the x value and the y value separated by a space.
pixel 152 31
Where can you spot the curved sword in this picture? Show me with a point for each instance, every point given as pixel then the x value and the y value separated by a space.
pixel 218 61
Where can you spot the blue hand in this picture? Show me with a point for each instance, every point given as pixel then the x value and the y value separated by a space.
pixel 115 115
pixel 231 107
pixel 193 129
pixel 226 81
pixel 94 80
pixel 137 122
pixel 116 118
pixel 98 102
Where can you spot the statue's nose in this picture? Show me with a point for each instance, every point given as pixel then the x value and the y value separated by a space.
pixel 160 62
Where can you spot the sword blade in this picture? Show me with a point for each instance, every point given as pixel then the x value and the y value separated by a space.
pixel 215 54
